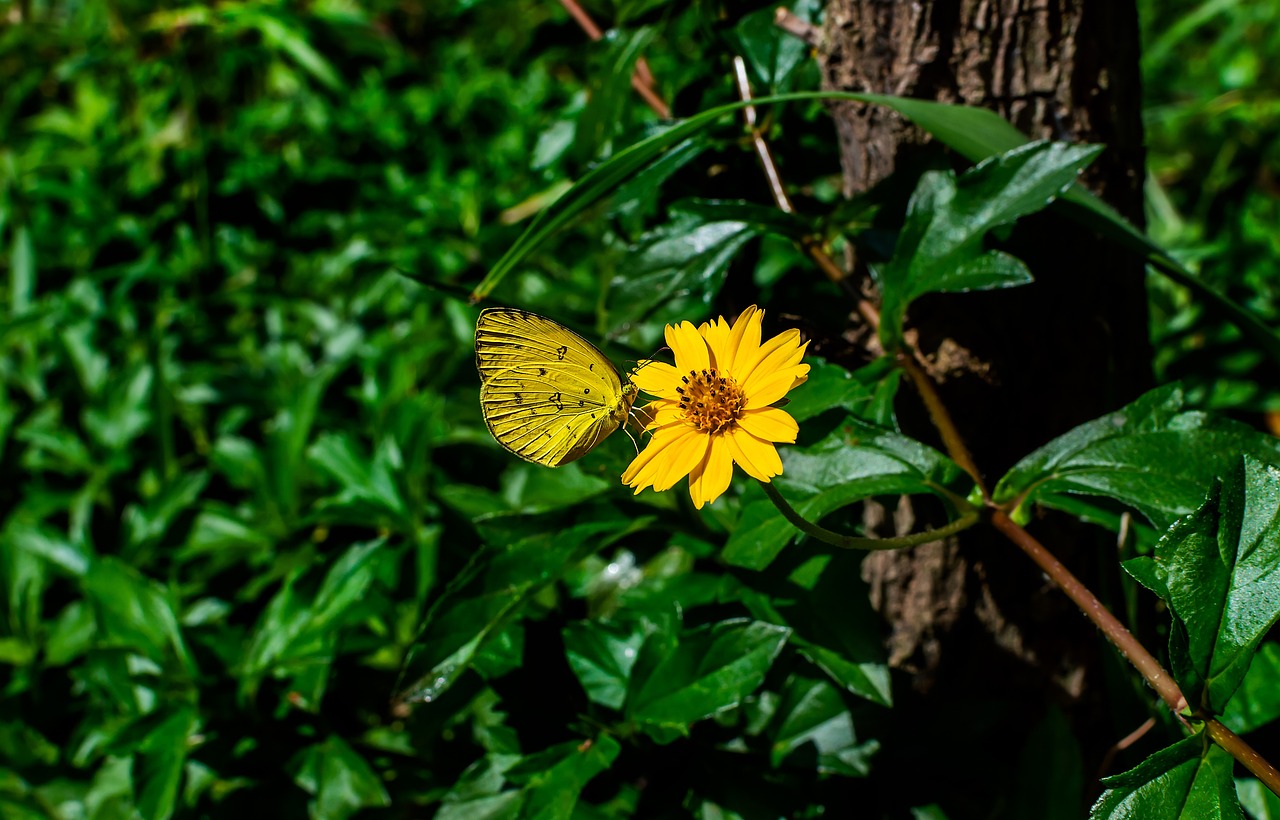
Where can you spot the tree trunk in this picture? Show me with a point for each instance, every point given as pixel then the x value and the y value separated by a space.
pixel 1015 367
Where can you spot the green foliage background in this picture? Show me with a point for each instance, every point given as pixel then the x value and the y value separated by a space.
pixel 243 457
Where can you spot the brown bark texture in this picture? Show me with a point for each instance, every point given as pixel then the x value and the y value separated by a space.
pixel 1016 367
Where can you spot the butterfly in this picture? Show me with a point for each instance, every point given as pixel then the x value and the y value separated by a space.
pixel 547 394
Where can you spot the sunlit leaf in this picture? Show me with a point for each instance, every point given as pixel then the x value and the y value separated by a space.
pixel 1190 779
pixel 1152 455
pixel 1218 569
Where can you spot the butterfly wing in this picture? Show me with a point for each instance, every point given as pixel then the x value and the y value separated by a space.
pixel 547 394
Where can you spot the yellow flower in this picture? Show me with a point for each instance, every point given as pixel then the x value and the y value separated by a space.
pixel 713 407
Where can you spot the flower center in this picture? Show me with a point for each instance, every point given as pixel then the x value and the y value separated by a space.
pixel 710 402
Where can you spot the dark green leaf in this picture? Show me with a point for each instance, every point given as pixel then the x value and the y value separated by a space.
pixel 773 54
pixel 1218 569
pixel 136 612
pixel 826 606
pixel 1259 801
pixel 975 132
pixel 1257 701
pixel 161 757
pixel 296 634
pixel 482 601
pixel 707 670
pixel 553 780
pixel 1050 780
pixel 940 248
pixel 338 778
pixel 601 655
pixel 1190 780
pixel 611 89
pixel 1152 455
pixel 830 386
pixel 812 718
pixel 687 257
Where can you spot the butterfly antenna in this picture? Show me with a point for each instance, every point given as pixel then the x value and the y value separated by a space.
pixel 633 438
pixel 639 364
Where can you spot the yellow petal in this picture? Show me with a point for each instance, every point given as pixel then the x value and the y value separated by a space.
pixel 744 339
pixel 758 458
pixel 769 350
pixel 641 471
pixel 656 378
pixel 688 346
pixel 717 335
pixel 656 415
pixel 680 458
pixel 783 350
pixel 765 392
pixel 711 477
pixel 770 424
pixel 664 413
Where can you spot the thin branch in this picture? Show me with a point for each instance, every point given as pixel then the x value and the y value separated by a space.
pixel 942 420
pixel 1122 744
pixel 641 79
pixel 1121 638
pixel 852 542
pixel 1254 762
pixel 802 30
pixel 812 245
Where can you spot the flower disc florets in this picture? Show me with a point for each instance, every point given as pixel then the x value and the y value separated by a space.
pixel 713 409
pixel 710 402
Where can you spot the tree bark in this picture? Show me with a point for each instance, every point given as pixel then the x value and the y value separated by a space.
pixel 1018 367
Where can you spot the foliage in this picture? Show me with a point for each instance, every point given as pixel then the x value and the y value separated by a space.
pixel 259 553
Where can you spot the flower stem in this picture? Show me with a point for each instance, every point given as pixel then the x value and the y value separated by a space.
pixel 852 542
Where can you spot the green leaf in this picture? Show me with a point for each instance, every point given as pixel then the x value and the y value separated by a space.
pixel 812 718
pixel 1050 780
pixel 856 461
pixel 367 483
pixel 774 55
pixel 1151 455
pixel 135 612
pixel 825 603
pixel 553 780
pixel 940 248
pixel 601 655
pixel 341 781
pixel 296 635
pixel 1190 780
pixel 548 784
pixel 1257 701
pixel 127 410
pixel 162 754
pixel 706 671
pixel 482 600
pixel 1259 801
pixel 830 386
pixel 686 257
pixel 975 132
pixel 1218 569
pixel 531 488
pixel 610 89
pixel 22 270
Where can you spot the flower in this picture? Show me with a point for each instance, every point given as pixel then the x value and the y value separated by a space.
pixel 713 407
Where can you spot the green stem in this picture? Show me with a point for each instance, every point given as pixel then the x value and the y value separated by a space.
pixel 851 542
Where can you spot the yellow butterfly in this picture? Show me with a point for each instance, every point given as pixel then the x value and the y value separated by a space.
pixel 547 394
